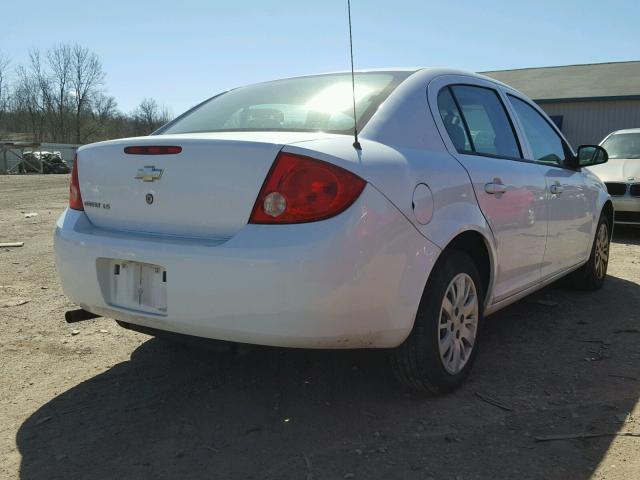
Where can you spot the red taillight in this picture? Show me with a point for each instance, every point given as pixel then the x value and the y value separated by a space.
pixel 300 189
pixel 75 199
pixel 153 150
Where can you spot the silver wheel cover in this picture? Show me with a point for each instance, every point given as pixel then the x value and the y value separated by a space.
pixel 458 323
pixel 601 257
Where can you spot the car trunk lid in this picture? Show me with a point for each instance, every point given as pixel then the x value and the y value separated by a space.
pixel 207 190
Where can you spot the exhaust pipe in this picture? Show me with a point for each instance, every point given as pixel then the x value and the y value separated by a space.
pixel 73 316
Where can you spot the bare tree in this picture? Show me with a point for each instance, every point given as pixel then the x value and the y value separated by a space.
pixel 149 116
pixel 5 62
pixel 59 97
pixel 165 115
pixel 30 96
pixel 86 78
pixel 103 110
pixel 59 62
pixel 35 94
pixel 104 107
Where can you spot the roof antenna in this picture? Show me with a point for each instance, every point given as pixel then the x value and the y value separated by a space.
pixel 356 143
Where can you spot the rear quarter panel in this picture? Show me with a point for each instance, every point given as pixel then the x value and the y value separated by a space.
pixel 401 147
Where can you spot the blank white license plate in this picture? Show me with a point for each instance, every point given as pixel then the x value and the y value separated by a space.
pixel 138 286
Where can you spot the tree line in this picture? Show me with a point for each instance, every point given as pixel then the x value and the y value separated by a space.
pixel 59 96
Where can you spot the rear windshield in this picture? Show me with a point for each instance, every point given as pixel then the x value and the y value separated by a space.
pixel 315 103
pixel 623 145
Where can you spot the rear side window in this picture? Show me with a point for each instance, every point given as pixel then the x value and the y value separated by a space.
pixel 487 121
pixel 546 144
pixel 453 122
pixel 477 122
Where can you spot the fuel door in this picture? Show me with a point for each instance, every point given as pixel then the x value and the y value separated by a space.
pixel 422 203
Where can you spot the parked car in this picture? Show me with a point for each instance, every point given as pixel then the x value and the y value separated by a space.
pixel 43 162
pixel 622 174
pixel 255 217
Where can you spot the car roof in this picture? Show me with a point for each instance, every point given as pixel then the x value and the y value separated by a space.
pixel 433 70
pixel 627 130
pixel 429 73
pixel 426 72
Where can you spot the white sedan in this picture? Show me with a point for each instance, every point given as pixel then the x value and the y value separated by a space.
pixel 255 217
pixel 622 174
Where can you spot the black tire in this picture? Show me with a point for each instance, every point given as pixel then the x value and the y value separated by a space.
pixel 416 363
pixel 589 276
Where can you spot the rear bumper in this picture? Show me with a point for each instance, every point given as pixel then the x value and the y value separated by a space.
pixel 353 281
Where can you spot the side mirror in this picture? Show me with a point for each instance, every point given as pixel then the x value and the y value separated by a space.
pixel 589 155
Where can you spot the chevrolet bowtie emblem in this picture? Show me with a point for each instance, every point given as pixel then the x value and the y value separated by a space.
pixel 149 173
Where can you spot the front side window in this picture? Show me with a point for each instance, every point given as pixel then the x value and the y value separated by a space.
pixel 314 103
pixel 623 145
pixel 546 144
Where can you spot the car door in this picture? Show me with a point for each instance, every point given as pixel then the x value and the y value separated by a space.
pixel 478 132
pixel 570 202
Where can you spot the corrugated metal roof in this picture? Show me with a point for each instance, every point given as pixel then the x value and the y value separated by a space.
pixel 575 82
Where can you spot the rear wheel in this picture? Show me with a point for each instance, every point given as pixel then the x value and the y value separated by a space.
pixel 438 354
pixel 591 276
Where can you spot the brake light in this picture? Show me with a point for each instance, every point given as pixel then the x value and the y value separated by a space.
pixel 300 189
pixel 75 199
pixel 153 150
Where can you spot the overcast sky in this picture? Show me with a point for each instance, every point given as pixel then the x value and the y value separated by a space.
pixel 181 52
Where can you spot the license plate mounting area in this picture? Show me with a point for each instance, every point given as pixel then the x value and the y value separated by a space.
pixel 136 286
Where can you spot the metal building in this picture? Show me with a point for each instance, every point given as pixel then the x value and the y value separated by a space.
pixel 587 102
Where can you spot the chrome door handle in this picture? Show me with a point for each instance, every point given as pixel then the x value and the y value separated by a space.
pixel 494 188
pixel 556 189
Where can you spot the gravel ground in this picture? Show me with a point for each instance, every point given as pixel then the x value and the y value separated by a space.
pixel 95 401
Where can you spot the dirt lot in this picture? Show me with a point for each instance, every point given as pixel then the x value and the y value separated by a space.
pixel 96 401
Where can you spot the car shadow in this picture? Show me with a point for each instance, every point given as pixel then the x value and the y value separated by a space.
pixel 560 362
